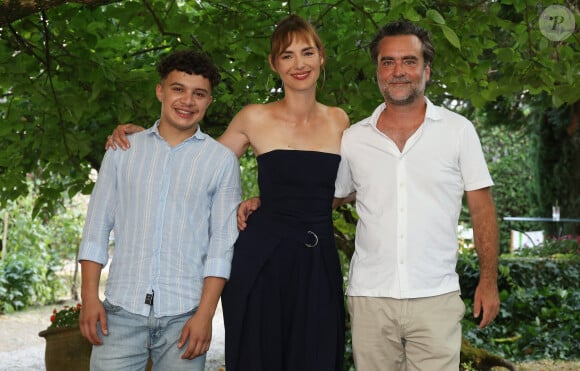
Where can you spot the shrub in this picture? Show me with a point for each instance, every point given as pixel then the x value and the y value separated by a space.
pixel 568 246
pixel 34 255
pixel 19 276
pixel 540 293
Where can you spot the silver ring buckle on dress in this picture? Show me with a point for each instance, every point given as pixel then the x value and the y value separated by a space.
pixel 315 240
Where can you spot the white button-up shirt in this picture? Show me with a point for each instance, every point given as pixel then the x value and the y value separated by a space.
pixel 408 203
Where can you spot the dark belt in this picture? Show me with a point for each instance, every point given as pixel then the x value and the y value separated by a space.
pixel 292 230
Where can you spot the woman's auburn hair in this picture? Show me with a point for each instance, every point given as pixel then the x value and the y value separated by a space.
pixel 290 28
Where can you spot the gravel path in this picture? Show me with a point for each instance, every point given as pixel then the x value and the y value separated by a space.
pixel 22 349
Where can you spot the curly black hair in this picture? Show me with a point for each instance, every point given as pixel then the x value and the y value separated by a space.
pixel 190 62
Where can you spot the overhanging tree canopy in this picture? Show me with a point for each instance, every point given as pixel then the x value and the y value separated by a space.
pixel 72 70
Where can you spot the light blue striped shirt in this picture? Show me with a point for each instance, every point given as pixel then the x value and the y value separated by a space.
pixel 173 214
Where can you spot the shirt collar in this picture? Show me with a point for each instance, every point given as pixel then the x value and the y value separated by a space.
pixel 432 113
pixel 198 135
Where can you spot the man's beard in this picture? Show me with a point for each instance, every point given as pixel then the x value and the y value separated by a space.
pixel 414 93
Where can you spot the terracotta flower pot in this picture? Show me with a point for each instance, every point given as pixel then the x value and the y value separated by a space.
pixel 66 350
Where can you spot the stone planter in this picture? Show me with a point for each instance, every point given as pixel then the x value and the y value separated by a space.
pixel 66 350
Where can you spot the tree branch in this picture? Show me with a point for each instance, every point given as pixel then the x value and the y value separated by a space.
pixel 48 60
pixel 158 22
pixel 14 10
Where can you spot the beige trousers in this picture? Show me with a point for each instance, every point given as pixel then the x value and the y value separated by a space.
pixel 406 334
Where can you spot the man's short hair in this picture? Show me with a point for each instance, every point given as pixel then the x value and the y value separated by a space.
pixel 190 62
pixel 402 27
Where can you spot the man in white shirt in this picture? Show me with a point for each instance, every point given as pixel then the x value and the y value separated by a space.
pixel 409 164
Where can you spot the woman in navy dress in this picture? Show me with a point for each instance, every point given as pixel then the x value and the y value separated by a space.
pixel 283 304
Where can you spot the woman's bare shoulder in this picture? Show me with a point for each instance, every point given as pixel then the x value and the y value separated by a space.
pixel 252 113
pixel 338 116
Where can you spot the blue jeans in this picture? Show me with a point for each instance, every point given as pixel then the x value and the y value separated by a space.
pixel 134 338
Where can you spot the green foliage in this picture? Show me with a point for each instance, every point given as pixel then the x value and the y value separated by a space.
pixel 540 294
pixel 18 276
pixel 73 72
pixel 506 153
pixel 348 355
pixel 555 152
pixel 564 247
pixel 35 252
pixel 541 158
pixel 249 176
pixel 66 317
pixel 533 152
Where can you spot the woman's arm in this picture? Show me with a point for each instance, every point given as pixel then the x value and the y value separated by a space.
pixel 119 136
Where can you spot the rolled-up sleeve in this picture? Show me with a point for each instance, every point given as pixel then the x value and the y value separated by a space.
pixel 223 219
pixel 100 214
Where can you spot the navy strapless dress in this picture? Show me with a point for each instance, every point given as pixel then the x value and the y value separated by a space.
pixel 283 305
